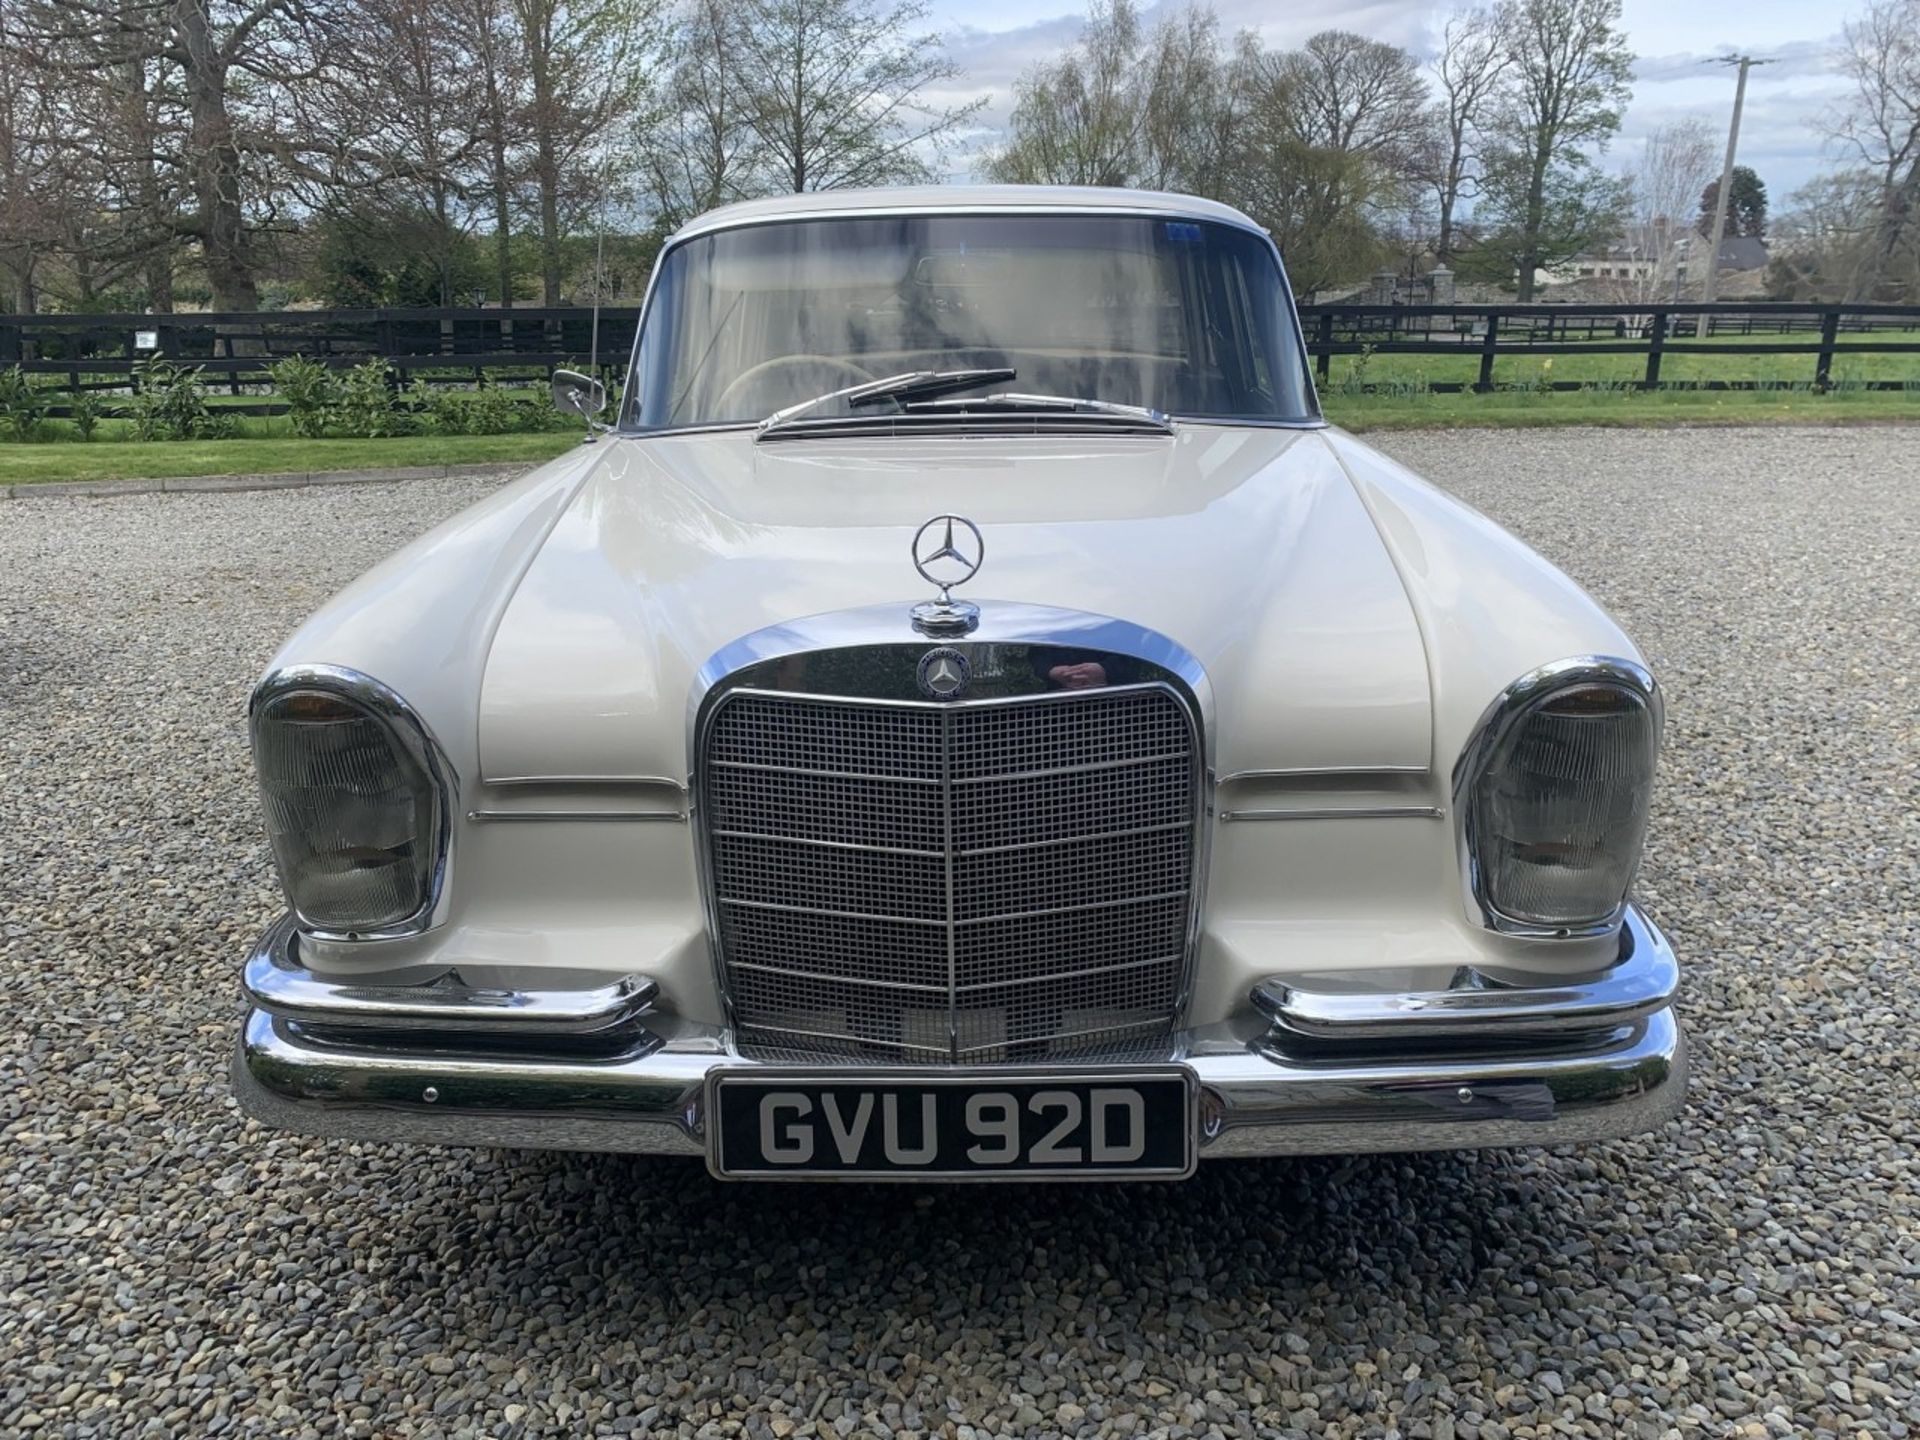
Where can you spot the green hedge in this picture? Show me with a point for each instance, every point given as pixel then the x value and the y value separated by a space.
pixel 165 401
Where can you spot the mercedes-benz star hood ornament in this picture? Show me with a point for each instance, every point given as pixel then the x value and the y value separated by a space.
pixel 947 551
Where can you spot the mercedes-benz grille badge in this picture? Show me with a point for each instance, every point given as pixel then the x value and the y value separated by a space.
pixel 944 674
pixel 947 551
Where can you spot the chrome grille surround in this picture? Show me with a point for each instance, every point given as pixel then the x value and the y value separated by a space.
pixel 1012 878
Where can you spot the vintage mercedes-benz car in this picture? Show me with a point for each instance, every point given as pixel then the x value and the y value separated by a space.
pixel 970 718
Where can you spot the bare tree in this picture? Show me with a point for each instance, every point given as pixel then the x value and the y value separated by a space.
pixel 1881 125
pixel 1195 96
pixel 700 149
pixel 1663 186
pixel 1126 106
pixel 417 76
pixel 500 76
pixel 35 186
pixel 1825 242
pixel 1081 120
pixel 838 89
pixel 1351 95
pixel 1467 72
pixel 583 72
pixel 220 100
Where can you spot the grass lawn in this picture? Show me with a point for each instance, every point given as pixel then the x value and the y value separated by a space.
pixel 254 454
pixel 1519 409
pixel 263 447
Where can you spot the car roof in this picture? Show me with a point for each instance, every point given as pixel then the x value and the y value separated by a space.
pixel 960 198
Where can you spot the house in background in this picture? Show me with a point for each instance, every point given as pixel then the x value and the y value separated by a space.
pixel 1658 262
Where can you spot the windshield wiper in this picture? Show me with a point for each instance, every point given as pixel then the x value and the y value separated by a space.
pixel 899 389
pixel 1010 400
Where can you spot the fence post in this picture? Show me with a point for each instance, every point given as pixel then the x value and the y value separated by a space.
pixel 1489 343
pixel 1656 347
pixel 1829 333
pixel 1324 362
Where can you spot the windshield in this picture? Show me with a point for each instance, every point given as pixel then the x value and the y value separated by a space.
pixel 1176 315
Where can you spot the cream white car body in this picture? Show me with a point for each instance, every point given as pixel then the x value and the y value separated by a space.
pixel 1353 622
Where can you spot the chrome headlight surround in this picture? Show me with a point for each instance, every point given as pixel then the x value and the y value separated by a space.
pixel 413 744
pixel 1492 740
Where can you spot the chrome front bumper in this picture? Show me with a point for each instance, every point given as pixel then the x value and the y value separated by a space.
pixel 1480 1063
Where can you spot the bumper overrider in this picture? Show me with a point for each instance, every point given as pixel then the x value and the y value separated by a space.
pixel 1483 1062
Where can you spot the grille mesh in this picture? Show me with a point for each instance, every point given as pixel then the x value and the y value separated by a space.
pixel 964 883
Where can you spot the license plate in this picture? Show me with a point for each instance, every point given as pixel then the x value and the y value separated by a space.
pixel 1092 1125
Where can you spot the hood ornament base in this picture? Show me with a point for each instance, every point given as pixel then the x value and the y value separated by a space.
pixel 946 616
pixel 947 550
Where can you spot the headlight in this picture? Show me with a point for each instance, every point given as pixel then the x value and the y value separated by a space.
pixel 351 784
pixel 1553 794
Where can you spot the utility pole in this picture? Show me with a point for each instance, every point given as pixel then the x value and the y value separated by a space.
pixel 1746 63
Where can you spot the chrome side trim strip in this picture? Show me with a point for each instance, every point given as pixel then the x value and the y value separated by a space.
pixel 1317 772
pixel 1372 812
pixel 1643 980
pixel 670 816
pixel 274 982
pixel 559 780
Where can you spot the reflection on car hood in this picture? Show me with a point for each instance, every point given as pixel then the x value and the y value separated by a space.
pixel 1248 546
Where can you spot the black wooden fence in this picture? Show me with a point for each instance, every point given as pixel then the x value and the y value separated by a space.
pixel 103 352
pixel 1490 333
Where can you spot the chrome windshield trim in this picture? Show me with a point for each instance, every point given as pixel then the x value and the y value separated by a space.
pixel 411 732
pixel 702 226
pixel 1506 710
pixel 694 229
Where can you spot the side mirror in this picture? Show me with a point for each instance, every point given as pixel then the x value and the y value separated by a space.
pixel 578 394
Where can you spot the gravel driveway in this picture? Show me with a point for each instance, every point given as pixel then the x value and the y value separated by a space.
pixel 168 1269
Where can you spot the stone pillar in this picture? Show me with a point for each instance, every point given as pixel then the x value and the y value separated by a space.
pixel 1386 285
pixel 1440 282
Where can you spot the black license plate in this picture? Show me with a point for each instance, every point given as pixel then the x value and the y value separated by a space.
pixel 1090 1126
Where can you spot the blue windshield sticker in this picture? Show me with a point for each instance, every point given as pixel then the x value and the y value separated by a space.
pixel 1183 232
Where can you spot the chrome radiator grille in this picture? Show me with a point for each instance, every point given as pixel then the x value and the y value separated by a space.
pixel 952 883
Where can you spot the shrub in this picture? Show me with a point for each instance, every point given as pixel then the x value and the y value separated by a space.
pixel 487 409
pixel 23 404
pixel 1354 382
pixel 169 403
pixel 86 411
pixel 309 392
pixel 365 408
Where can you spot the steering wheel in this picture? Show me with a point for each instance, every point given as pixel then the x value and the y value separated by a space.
pixel 747 377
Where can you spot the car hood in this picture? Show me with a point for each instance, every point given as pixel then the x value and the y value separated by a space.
pixel 1248 546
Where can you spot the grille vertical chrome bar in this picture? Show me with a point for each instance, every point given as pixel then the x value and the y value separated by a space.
pixel 953 929
pixel 1006 879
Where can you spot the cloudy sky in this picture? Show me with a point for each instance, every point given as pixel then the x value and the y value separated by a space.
pixel 995 40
